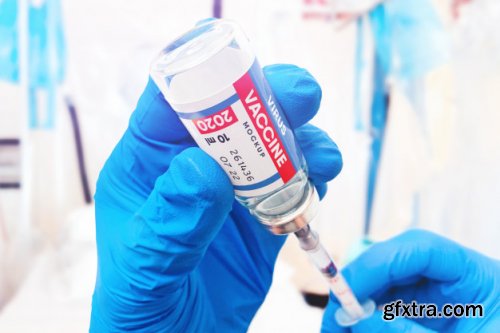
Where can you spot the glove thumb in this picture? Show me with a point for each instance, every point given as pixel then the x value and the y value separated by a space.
pixel 186 209
pixel 145 273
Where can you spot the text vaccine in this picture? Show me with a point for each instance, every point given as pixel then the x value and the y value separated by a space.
pixel 212 79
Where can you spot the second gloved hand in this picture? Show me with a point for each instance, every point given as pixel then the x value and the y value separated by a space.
pixel 426 268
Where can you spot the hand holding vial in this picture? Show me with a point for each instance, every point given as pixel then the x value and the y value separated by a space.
pixel 173 245
pixel 234 117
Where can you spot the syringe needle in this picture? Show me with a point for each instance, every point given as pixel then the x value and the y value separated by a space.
pixel 352 311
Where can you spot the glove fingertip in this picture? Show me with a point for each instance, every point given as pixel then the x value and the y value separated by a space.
pixel 321 188
pixel 296 90
pixel 322 154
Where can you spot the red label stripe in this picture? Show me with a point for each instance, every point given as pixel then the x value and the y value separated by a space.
pixel 261 119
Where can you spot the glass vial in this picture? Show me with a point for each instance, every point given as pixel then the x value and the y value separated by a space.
pixel 211 78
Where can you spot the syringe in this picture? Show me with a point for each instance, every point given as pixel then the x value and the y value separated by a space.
pixel 351 311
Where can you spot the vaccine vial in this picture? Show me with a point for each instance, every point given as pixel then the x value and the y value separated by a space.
pixel 212 80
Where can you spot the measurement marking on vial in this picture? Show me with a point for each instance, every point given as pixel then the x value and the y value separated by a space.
pixel 210 140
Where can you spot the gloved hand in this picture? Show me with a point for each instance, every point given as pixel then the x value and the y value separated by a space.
pixel 176 253
pixel 423 267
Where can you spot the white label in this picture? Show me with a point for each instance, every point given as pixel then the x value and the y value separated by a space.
pixel 248 135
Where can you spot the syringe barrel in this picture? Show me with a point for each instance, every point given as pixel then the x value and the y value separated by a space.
pixel 211 78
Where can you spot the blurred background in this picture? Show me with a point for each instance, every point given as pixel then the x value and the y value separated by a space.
pixel 410 94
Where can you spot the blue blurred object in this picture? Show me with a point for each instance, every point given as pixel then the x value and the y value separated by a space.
pixel 379 113
pixel 46 61
pixel 409 42
pixel 360 65
pixel 176 253
pixel 379 106
pixel 409 37
pixel 423 267
pixel 46 54
pixel 9 41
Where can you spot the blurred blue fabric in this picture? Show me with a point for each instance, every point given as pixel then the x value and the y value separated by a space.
pixel 9 54
pixel 409 37
pixel 45 38
pixel 46 53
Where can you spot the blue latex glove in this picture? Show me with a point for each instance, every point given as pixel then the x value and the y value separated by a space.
pixel 176 253
pixel 423 267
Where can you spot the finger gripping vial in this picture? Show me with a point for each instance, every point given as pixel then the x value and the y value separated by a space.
pixel 212 80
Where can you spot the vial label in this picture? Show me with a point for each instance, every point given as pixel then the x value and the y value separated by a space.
pixel 247 133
